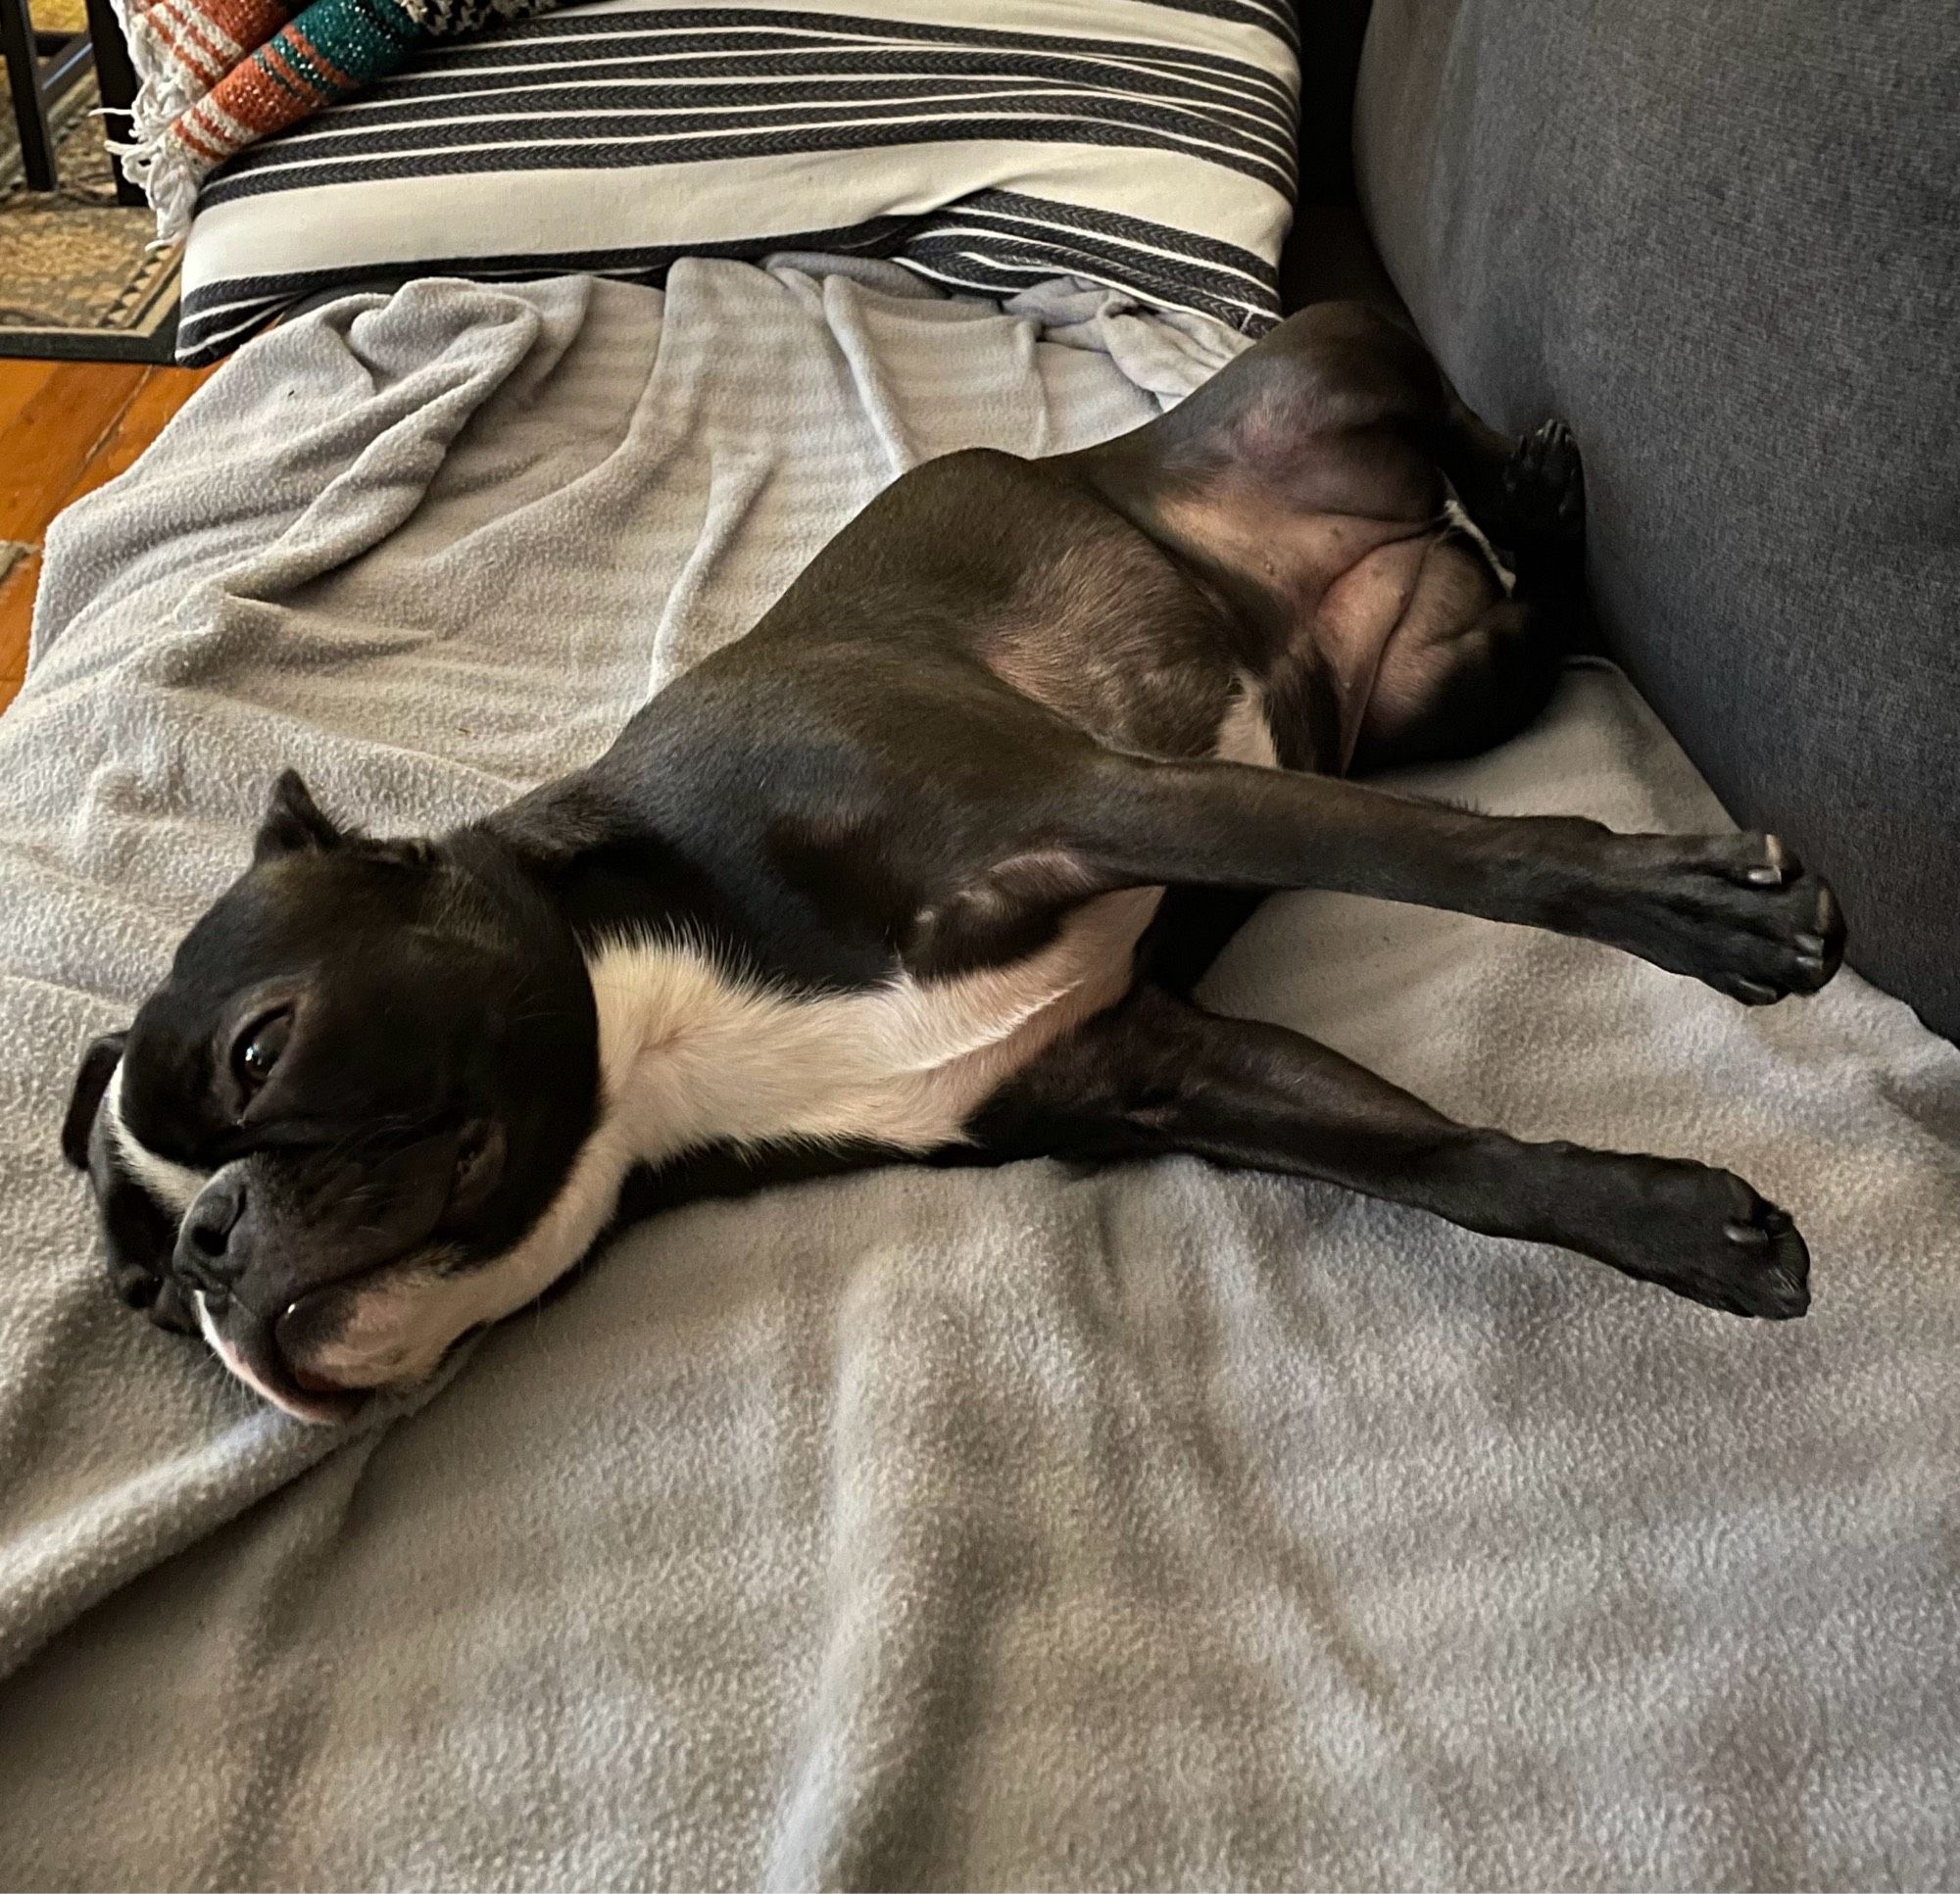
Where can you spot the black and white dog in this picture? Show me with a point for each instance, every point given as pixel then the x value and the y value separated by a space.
pixel 887 880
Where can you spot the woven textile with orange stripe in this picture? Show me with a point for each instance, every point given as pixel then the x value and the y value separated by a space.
pixel 215 76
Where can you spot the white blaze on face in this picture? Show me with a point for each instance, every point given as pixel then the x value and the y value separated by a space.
pixel 174 1185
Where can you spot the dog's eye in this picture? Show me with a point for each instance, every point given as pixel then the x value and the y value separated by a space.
pixel 259 1046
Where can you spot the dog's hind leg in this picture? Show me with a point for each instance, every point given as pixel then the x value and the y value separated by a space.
pixel 1351 514
pixel 1157 1075
pixel 1453 682
pixel 1527 496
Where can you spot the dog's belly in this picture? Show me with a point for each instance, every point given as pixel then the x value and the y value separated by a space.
pixel 1096 953
pixel 1387 624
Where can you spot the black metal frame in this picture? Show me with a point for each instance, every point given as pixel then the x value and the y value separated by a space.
pixel 41 66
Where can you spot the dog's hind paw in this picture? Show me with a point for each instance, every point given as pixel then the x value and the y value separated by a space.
pixel 1707 1235
pixel 1545 484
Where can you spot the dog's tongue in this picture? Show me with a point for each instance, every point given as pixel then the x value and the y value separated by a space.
pixel 311 1382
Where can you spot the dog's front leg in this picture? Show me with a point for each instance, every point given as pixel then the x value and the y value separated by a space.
pixel 1157 1075
pixel 1735 911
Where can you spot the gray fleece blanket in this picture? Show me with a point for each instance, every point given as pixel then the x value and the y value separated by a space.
pixel 1153 1528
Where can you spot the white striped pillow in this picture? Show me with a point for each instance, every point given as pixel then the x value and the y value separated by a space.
pixel 988 144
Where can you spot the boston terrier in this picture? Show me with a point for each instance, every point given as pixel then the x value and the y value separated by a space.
pixel 924 869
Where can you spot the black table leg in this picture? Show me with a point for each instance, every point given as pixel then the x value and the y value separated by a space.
pixel 30 109
pixel 116 80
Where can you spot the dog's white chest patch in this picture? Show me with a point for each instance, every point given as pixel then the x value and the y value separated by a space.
pixel 692 1053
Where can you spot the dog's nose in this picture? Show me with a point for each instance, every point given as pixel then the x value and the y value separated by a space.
pixel 206 1257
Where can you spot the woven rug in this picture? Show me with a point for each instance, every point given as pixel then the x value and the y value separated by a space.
pixel 78 280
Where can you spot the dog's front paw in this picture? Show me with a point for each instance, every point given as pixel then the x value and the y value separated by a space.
pixel 1544 485
pixel 1708 1236
pixel 1739 911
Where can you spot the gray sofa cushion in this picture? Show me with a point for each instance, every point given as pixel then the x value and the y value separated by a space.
pixel 1722 242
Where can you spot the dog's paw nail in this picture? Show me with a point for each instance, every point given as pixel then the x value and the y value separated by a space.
pixel 1747 1234
pixel 1777 869
pixel 1754 992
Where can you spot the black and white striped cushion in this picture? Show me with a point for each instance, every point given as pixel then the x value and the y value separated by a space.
pixel 988 144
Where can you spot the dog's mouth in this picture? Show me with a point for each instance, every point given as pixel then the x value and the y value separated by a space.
pixel 248 1345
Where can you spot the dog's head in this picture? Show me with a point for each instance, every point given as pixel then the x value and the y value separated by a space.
pixel 366 1078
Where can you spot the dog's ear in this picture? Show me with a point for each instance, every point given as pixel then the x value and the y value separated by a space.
pixel 90 1083
pixel 293 821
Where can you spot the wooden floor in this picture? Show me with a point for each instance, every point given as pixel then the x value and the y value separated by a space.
pixel 65 429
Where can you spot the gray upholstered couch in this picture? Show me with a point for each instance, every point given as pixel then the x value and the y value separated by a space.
pixel 1724 243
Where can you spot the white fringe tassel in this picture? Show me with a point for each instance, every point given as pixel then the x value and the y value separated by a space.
pixel 168 173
